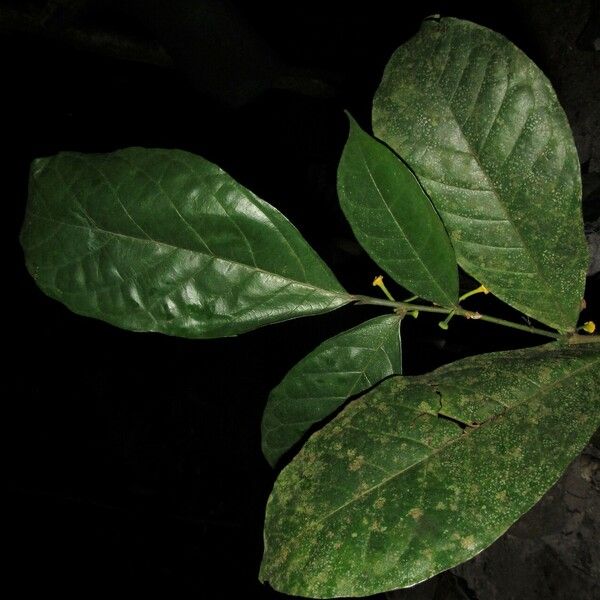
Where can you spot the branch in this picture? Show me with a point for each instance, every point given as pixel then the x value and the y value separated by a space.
pixel 469 314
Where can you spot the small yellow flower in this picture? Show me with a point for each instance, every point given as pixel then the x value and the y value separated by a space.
pixel 480 290
pixel 378 282
pixel 589 327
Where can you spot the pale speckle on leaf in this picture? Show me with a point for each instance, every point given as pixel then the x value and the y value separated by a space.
pixel 468 542
pixel 357 463
pixel 416 513
pixel 379 503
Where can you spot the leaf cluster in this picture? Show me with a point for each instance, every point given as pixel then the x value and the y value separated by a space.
pixel 474 167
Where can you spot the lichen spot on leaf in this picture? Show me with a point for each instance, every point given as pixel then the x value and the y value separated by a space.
pixel 416 513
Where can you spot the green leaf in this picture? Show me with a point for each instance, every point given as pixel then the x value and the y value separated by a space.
pixel 320 383
pixel 163 240
pixel 482 128
pixel 393 219
pixel 423 473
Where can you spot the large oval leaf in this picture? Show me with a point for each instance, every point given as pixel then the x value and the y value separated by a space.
pixel 342 366
pixel 393 219
pixel 423 473
pixel 481 127
pixel 163 240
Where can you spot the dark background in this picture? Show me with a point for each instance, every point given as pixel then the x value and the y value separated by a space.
pixel 133 460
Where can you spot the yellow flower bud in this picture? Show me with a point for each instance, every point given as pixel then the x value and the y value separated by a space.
pixel 589 327
pixel 378 282
pixel 480 290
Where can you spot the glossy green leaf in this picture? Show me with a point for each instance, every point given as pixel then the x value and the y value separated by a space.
pixel 393 219
pixel 163 240
pixel 482 128
pixel 422 473
pixel 320 383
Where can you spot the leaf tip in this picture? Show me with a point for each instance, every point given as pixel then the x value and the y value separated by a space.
pixel 351 121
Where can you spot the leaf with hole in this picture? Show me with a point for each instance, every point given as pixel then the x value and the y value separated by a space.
pixel 482 128
pixel 321 382
pixel 163 240
pixel 422 473
pixel 393 219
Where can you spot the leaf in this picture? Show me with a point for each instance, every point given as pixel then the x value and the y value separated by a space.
pixel 482 129
pixel 423 473
pixel 163 240
pixel 393 219
pixel 321 382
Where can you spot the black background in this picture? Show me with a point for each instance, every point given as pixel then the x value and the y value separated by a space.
pixel 134 459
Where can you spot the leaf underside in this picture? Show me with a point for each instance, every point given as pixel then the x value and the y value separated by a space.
pixel 482 128
pixel 342 366
pixel 423 473
pixel 393 219
pixel 163 240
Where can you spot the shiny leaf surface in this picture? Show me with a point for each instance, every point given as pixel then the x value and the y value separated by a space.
pixel 320 383
pixel 393 219
pixel 482 128
pixel 422 473
pixel 163 240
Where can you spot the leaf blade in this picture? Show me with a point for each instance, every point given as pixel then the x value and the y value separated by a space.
pixel 393 219
pixel 342 366
pixel 162 240
pixel 482 128
pixel 409 493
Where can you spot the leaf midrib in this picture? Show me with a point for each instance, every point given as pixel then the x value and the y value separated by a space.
pixel 363 372
pixel 493 188
pixel 541 391
pixel 396 222
pixel 192 251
